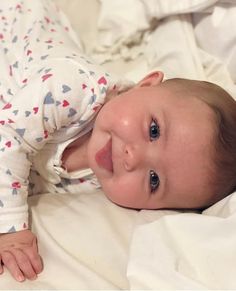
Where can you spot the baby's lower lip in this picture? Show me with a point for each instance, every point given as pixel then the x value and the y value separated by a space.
pixel 104 156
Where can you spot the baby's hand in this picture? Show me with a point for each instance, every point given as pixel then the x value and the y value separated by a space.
pixel 19 254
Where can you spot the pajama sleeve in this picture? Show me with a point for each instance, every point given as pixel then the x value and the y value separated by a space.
pixel 58 96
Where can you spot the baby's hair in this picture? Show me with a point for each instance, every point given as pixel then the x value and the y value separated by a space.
pixel 223 175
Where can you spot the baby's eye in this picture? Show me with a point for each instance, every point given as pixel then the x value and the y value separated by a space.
pixel 154 130
pixel 154 181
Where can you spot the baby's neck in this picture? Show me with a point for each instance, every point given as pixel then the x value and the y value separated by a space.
pixel 75 155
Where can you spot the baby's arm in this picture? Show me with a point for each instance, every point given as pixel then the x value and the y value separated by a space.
pixel 44 107
pixel 19 254
pixel 29 121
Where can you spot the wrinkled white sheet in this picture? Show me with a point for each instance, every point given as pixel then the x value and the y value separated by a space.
pixel 89 243
pixel 186 251
pixel 84 241
pixel 220 37
pixel 122 22
pixel 191 39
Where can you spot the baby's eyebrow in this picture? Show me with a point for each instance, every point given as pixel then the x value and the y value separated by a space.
pixel 164 127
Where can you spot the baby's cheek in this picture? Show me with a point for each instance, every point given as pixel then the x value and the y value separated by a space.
pixel 124 192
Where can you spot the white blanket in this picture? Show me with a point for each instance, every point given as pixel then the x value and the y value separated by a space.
pixel 186 251
pixel 189 38
pixel 89 243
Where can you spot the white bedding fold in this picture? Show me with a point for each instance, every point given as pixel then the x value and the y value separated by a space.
pixel 120 20
pixel 186 251
pixel 164 35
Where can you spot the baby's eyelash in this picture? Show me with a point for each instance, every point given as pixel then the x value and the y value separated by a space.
pixel 154 181
pixel 154 130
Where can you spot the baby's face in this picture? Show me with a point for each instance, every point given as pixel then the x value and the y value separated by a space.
pixel 151 149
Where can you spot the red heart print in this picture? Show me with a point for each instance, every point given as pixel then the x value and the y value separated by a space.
pixel 45 77
pixel 65 103
pixel 7 106
pixel 36 109
pixel 8 144
pixel 102 81
pixel 29 52
pixel 16 185
pixel 45 134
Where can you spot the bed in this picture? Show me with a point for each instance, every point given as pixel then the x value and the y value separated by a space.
pixel 86 241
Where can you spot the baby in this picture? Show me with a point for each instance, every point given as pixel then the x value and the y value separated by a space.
pixel 157 144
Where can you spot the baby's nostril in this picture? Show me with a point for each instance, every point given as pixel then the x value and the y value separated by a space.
pixel 126 150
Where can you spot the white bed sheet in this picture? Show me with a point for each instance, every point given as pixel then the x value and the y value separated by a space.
pixel 84 241
pixel 89 243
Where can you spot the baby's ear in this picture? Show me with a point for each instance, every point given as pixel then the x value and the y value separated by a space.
pixel 152 79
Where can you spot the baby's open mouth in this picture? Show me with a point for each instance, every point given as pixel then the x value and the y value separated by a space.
pixel 104 156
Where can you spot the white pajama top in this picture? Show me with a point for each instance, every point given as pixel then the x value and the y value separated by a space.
pixel 49 95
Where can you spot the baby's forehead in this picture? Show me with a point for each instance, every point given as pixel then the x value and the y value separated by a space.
pixel 187 94
pixel 190 115
pixel 181 94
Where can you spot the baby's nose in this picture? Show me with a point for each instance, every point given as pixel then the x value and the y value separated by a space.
pixel 133 157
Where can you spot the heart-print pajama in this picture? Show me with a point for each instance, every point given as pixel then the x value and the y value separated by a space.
pixel 50 94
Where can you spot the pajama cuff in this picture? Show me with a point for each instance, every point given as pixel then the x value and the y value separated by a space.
pixel 12 222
